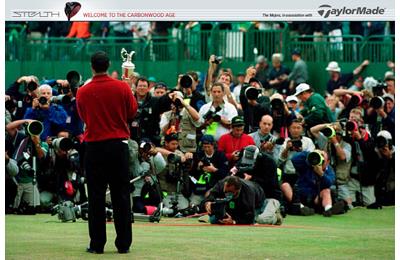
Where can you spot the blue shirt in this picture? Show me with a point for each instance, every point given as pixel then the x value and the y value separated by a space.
pixel 53 119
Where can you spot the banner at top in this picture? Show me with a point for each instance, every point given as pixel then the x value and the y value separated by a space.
pixel 205 10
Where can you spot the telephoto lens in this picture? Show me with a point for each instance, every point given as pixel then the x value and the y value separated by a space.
pixel 351 126
pixel 32 86
pixel 376 102
pixel 186 81
pixel 42 100
pixel 328 131
pixel 34 128
pixel 252 93
pixel 315 158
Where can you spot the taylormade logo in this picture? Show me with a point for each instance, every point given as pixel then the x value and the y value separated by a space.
pixel 327 10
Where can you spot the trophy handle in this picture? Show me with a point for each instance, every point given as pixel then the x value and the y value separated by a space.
pixel 124 54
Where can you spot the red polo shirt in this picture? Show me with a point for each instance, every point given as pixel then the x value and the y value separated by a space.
pixel 228 144
pixel 106 105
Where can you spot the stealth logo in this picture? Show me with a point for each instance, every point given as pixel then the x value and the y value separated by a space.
pixel 326 10
pixel 71 9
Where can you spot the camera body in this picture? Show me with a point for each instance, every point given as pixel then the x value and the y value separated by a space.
pixel 218 60
pixel 297 145
pixel 206 161
pixel 42 101
pixel 218 208
pixel 212 115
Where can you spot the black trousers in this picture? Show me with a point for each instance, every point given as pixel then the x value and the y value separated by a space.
pixel 106 162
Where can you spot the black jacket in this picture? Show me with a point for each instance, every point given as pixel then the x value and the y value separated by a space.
pixel 147 121
pixel 253 114
pixel 243 208
pixel 197 100
pixel 264 173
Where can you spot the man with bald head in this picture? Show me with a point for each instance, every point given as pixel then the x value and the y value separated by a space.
pixel 264 139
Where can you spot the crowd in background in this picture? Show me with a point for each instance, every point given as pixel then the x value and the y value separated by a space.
pixel 291 150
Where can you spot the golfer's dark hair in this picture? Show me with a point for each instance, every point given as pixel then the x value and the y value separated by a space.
pixel 233 181
pixel 100 61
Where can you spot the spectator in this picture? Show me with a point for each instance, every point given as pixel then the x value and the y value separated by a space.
pixel 278 75
pixel 299 72
pixel 315 110
pixel 262 71
pixel 80 30
pixel 341 80
pixel 160 89
pixel 236 90
pixel 232 143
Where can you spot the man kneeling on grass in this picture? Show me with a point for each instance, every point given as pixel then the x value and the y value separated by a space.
pixel 236 201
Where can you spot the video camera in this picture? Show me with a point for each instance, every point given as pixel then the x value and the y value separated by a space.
pixel 213 115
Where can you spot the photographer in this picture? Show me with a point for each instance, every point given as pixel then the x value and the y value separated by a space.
pixel 212 166
pixel 146 122
pixel 261 168
pixel 145 161
pixel 23 101
pixel 52 116
pixel 232 143
pixel 182 119
pixel 329 138
pixel 66 99
pixel 382 161
pixel 265 140
pixel 254 104
pixel 225 78
pixel 381 115
pixel 234 201
pixel 174 179
pixel 64 175
pixel 293 145
pixel 281 114
pixel 315 179
pixel 188 85
pixel 315 110
pixel 29 154
pixel 217 114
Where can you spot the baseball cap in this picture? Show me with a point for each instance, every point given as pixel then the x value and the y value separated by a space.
pixel 301 88
pixel 388 96
pixel 261 59
pixel 237 121
pixel 292 98
pixel 296 51
pixel 151 78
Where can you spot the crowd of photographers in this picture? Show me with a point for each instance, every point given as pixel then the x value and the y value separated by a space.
pixel 250 149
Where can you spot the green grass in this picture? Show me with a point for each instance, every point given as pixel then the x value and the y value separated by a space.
pixel 360 234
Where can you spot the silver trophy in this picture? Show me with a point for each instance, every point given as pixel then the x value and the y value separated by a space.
pixel 127 67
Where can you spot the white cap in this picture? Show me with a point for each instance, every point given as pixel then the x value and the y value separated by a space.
pixel 385 134
pixel 276 96
pixel 301 88
pixel 292 98
pixel 261 59
pixel 333 66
